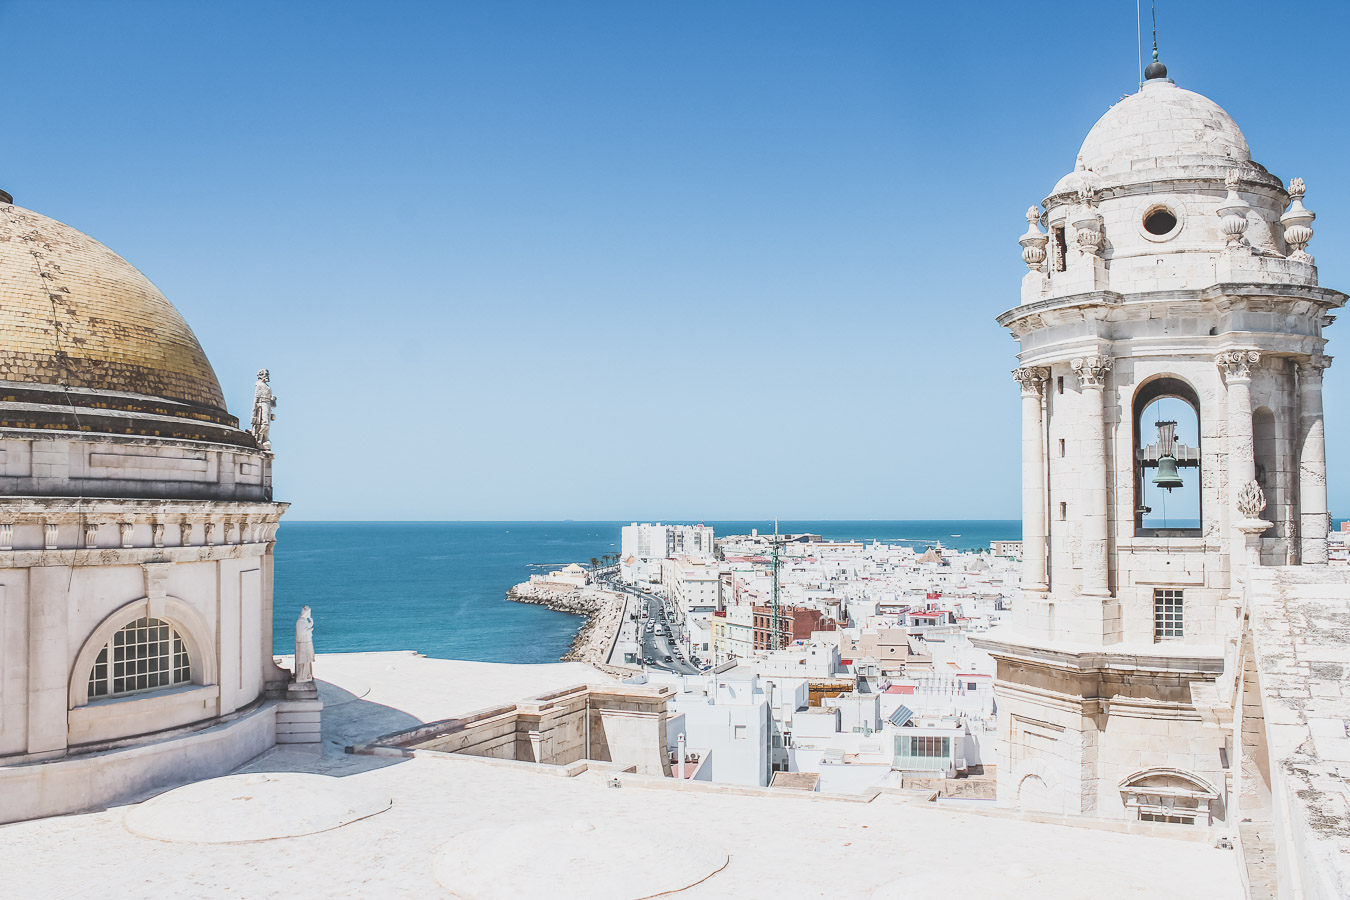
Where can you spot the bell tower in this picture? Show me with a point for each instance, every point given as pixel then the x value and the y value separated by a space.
pixel 1170 365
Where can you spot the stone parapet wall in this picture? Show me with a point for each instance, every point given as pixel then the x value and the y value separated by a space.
pixel 88 781
pixel 622 725
pixel 1294 706
pixel 77 464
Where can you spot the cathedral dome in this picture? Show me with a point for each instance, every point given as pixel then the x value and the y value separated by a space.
pixel 76 315
pixel 1160 126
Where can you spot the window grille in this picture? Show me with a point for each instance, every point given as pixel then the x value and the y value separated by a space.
pixel 1168 614
pixel 144 655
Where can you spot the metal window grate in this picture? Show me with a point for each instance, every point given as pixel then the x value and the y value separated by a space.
pixel 143 655
pixel 1168 614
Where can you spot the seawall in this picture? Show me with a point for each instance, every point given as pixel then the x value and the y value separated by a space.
pixel 602 610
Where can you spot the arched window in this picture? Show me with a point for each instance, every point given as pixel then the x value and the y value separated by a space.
pixel 144 655
pixel 1167 459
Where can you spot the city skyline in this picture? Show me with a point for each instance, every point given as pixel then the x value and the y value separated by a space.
pixel 547 264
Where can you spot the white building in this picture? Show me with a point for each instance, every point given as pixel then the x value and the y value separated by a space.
pixel 569 576
pixel 726 718
pixel 650 541
pixel 136 535
pixel 1171 331
pixel 691 584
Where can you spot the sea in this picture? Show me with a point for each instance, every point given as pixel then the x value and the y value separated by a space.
pixel 440 587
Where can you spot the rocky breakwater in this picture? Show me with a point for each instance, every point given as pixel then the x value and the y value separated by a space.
pixel 603 611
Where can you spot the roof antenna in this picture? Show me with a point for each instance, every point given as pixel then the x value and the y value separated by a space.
pixel 1155 70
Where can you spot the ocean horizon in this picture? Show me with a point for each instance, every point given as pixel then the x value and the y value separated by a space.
pixel 440 587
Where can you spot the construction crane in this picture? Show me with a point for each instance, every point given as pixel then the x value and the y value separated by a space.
pixel 777 627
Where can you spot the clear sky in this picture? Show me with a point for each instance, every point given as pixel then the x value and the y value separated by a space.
pixel 618 260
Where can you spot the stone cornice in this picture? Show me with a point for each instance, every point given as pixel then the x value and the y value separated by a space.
pixel 70 509
pixel 1203 177
pixel 117 556
pixel 1326 297
pixel 1195 661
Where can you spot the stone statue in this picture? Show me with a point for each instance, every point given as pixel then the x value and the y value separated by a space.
pixel 304 647
pixel 263 403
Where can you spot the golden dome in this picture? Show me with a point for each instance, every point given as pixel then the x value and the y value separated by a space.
pixel 75 314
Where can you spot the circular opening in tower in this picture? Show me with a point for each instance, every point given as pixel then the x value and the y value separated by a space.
pixel 1160 221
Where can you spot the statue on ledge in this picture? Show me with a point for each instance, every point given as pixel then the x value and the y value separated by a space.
pixel 304 647
pixel 264 402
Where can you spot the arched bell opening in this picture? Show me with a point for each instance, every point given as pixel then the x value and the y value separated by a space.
pixel 1167 471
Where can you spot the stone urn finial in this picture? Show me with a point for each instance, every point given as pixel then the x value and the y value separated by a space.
pixel 1297 223
pixel 1233 214
pixel 1033 242
pixel 1251 500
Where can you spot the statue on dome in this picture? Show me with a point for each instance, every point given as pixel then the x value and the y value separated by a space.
pixel 304 647
pixel 264 401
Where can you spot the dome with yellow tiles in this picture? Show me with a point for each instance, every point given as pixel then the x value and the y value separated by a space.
pixel 75 315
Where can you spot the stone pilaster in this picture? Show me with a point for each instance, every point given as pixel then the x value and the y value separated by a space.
pixel 1092 372
pixel 48 660
pixel 1236 366
pixel 1312 463
pixel 1032 379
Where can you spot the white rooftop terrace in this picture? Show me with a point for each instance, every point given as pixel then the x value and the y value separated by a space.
pixel 491 828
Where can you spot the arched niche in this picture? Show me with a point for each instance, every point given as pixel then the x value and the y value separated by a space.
pixel 1166 421
pixel 184 619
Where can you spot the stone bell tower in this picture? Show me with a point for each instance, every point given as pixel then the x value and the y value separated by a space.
pixel 1171 365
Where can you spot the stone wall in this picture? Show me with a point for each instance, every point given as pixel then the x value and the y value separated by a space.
pixel 79 783
pixel 618 724
pixel 1292 792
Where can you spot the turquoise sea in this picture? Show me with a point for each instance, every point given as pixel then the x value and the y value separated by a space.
pixel 439 587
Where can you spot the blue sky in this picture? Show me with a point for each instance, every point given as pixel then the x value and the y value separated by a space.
pixel 626 260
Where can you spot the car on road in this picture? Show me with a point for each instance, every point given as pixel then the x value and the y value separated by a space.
pixel 667 657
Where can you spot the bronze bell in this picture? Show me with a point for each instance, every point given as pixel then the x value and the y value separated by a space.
pixel 1167 477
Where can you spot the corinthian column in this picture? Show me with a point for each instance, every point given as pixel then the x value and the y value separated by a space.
pixel 1312 463
pixel 1091 372
pixel 1032 379
pixel 1236 366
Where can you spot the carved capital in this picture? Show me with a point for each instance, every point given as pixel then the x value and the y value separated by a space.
pixel 1032 379
pixel 1091 370
pixel 1237 364
pixel 1314 366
